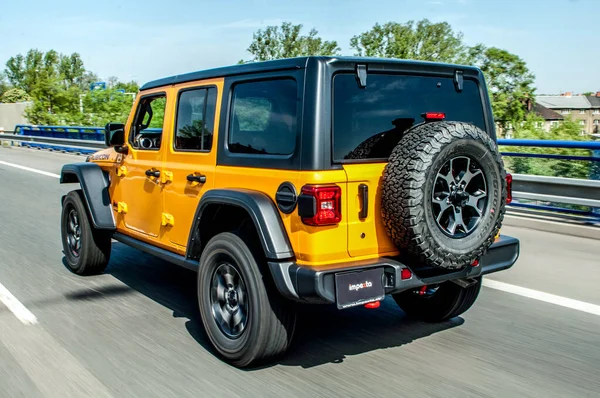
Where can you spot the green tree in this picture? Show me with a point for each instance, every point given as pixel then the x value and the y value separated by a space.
pixel 509 81
pixel 422 40
pixel 103 106
pixel 57 83
pixel 287 41
pixel 508 78
pixel 14 95
pixel 4 86
pixel 129 87
pixel 54 82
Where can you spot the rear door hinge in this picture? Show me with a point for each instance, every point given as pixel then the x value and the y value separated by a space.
pixel 458 80
pixel 166 176
pixel 122 207
pixel 361 75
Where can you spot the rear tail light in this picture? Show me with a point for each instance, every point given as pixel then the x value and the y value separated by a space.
pixel 405 274
pixel 321 205
pixel 508 188
pixel 430 116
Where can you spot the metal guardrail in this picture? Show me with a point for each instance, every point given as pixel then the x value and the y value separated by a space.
pixel 84 140
pixel 548 193
pixel 57 142
pixel 556 190
pixel 545 192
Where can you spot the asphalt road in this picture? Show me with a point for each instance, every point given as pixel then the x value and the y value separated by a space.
pixel 135 331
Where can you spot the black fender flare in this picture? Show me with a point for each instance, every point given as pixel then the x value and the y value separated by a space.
pixel 261 209
pixel 94 183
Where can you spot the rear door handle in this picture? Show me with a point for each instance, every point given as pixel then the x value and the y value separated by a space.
pixel 153 173
pixel 199 178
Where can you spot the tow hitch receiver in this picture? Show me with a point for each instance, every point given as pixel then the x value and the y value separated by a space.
pixel 464 282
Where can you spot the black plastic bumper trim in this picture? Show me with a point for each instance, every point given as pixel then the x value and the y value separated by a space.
pixel 307 284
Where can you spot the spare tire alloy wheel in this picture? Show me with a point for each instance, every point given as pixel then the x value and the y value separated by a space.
pixel 459 196
pixel 444 194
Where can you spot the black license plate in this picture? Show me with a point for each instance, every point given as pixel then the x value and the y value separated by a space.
pixel 360 287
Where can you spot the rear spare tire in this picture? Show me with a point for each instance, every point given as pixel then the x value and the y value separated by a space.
pixel 444 194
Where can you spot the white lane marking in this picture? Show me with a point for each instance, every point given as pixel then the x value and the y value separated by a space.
pixel 18 166
pixel 16 307
pixel 546 297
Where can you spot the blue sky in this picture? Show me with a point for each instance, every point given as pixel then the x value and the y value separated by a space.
pixel 144 40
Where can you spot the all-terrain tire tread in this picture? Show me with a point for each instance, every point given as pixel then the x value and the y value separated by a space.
pixel 402 193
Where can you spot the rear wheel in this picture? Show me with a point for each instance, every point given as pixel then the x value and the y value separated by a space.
pixel 438 303
pixel 245 318
pixel 86 249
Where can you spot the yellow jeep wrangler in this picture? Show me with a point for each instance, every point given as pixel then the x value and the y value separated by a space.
pixel 334 180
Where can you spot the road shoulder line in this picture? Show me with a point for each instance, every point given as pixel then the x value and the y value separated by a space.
pixel 16 307
pixel 545 297
pixel 18 166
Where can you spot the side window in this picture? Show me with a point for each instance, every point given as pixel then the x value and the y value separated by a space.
pixel 195 119
pixel 264 117
pixel 147 129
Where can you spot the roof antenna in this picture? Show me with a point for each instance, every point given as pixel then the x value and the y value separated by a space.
pixel 458 80
pixel 361 75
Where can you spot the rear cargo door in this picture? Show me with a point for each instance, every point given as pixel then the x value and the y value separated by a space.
pixel 369 122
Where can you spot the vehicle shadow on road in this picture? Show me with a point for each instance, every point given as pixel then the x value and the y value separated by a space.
pixel 329 335
pixel 323 334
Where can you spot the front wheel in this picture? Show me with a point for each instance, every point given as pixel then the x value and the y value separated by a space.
pixel 86 249
pixel 438 303
pixel 246 320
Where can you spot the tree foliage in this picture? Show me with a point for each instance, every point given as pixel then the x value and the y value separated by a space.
pixel 13 95
pixel 287 41
pixel 59 85
pixel 510 83
pixel 4 86
pixel 422 40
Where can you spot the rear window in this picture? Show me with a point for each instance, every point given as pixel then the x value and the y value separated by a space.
pixel 369 122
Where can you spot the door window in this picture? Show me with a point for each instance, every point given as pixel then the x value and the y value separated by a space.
pixel 195 119
pixel 263 117
pixel 147 128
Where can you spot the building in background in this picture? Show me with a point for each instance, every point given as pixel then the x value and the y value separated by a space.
pixel 578 107
pixel 595 104
pixel 551 118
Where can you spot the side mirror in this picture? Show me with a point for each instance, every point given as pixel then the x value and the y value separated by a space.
pixel 114 134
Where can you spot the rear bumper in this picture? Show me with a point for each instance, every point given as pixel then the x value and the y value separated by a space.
pixel 317 285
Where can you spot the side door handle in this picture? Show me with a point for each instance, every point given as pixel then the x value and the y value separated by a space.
pixel 199 178
pixel 153 173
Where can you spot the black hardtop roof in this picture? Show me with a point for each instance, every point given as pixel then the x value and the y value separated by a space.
pixel 286 63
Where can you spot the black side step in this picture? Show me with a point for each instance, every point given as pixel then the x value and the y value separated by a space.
pixel 157 251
